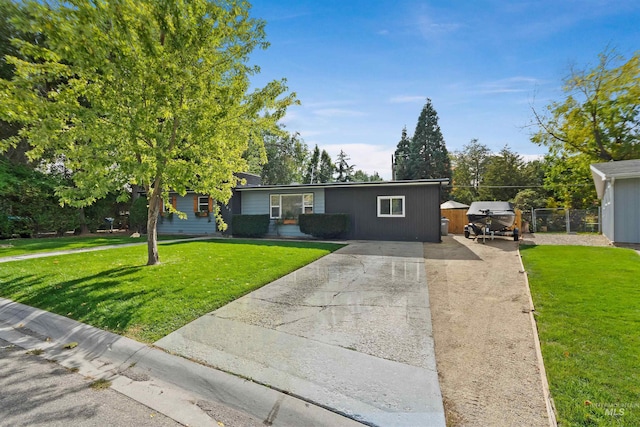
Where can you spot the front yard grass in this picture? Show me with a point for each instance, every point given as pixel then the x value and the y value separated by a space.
pixel 115 291
pixel 14 247
pixel 587 302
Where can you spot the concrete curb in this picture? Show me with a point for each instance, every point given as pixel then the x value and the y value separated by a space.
pixel 166 383
pixel 548 400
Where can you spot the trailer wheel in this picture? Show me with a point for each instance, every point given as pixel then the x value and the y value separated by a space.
pixel 516 236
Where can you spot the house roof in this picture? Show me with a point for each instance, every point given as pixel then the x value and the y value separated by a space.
pixel 440 181
pixel 452 204
pixel 603 172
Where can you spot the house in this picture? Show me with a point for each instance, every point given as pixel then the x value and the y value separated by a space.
pixel 388 210
pixel 618 187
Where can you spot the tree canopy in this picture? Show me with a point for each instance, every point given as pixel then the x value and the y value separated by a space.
pixel 425 154
pixel 141 92
pixel 598 121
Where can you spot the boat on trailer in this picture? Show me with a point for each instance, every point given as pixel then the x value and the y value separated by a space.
pixel 488 219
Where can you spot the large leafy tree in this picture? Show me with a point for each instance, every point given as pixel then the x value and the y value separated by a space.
pixel 468 174
pixel 286 156
pixel 503 177
pixel 154 93
pixel 598 121
pixel 600 117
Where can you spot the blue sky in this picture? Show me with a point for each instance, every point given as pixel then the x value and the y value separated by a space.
pixel 363 69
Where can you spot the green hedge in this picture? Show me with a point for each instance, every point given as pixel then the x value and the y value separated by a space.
pixel 249 225
pixel 324 226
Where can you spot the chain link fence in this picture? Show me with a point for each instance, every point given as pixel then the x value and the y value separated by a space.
pixel 543 220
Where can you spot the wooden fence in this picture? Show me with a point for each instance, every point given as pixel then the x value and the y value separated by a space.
pixel 458 219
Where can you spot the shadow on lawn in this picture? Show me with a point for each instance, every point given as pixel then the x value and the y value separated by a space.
pixel 96 299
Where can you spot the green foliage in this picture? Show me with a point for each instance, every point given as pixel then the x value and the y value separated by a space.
pixel 600 117
pixel 286 156
pixel 469 172
pixel 326 168
pixel 28 205
pixel 313 167
pixel 529 199
pixel 587 317
pixel 112 289
pixel 343 168
pixel 324 226
pixel 598 121
pixel 503 176
pixel 362 176
pixel 141 92
pixel 250 225
pixel 569 180
pixel 425 155
pixel 138 214
pixel 401 157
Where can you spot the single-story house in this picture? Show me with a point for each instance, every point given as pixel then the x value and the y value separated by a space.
pixel 618 187
pixel 387 210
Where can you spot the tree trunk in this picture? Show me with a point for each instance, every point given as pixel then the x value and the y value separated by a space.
pixel 152 223
pixel 84 228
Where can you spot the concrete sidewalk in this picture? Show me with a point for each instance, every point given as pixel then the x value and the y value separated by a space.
pixel 350 332
pixel 181 389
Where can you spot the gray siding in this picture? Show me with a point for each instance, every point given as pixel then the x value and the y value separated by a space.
pixel 191 225
pixel 607 211
pixel 627 210
pixel 257 203
pixel 420 223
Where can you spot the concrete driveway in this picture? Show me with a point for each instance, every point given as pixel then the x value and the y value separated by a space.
pixel 350 332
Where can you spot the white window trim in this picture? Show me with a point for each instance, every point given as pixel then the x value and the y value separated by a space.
pixel 391 214
pixel 279 205
pixel 205 204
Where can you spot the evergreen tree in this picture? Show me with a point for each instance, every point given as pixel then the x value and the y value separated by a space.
pixel 313 169
pixel 401 157
pixel 325 173
pixel 343 169
pixel 428 157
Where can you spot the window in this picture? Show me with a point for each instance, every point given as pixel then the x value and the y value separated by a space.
pixel 203 204
pixel 391 206
pixel 289 206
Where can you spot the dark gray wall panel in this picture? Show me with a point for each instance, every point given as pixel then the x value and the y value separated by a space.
pixel 422 212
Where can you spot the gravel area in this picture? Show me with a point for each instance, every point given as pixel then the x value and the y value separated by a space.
pixel 565 239
pixel 484 340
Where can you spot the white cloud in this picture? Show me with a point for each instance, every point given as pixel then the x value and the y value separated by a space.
pixel 408 99
pixel 367 157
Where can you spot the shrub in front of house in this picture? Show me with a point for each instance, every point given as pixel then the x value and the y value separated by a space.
pixel 249 225
pixel 324 226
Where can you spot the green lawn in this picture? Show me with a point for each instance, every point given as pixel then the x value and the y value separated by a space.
pixel 114 290
pixel 13 247
pixel 587 303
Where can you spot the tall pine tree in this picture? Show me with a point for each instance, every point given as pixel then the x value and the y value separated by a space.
pixel 325 173
pixel 313 168
pixel 428 156
pixel 343 169
pixel 401 157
